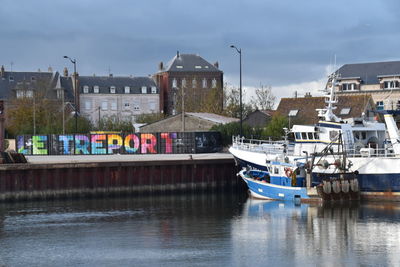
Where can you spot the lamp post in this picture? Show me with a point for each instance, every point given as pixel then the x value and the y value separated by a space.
pixel 73 61
pixel 239 50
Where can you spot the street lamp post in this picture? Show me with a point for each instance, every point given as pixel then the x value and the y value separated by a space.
pixel 239 50
pixel 73 61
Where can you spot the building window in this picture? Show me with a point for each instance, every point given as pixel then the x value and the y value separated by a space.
pixel 85 89
pixel 11 78
pixel 293 112
pixel 88 105
pixel 194 83
pixel 152 106
pixel 174 83
pixel 348 86
pixel 214 83
pixel 136 105
pixel 204 83
pixel 183 83
pixel 398 105
pixel 60 93
pixel 126 105
pixel 179 67
pixel 391 85
pixel 154 90
pixel 127 89
pixel 20 93
pixel 112 89
pixel 380 105
pixel 96 89
pixel 29 93
pixel 33 78
pixel 345 111
pixel 113 105
pixel 104 105
pixel 144 90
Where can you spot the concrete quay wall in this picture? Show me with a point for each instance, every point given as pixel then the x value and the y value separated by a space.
pixel 48 177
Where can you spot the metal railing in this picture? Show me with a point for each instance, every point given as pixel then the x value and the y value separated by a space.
pixel 262 146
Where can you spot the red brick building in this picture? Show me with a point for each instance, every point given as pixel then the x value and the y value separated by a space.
pixel 191 76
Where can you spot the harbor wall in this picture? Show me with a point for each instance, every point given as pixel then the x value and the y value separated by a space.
pixel 49 181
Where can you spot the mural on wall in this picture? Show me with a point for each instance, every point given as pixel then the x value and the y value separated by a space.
pixel 104 144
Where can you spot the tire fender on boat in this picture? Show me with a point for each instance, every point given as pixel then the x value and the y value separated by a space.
pixel 345 186
pixel 326 186
pixel 288 172
pixel 354 185
pixel 336 186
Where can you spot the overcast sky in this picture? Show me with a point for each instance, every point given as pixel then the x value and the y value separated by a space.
pixel 287 44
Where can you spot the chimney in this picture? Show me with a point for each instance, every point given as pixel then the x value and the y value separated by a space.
pixel 216 64
pixel 50 69
pixel 2 74
pixel 161 66
pixel 308 94
pixel 295 94
pixel 177 54
pixel 65 72
pixel 111 75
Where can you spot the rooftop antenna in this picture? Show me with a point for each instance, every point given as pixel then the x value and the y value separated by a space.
pixel 12 63
pixel 109 70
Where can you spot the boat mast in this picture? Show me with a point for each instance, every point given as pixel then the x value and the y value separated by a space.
pixel 330 99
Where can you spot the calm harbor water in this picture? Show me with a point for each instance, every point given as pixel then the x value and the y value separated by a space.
pixel 198 230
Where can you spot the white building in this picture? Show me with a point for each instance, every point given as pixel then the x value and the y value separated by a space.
pixel 120 97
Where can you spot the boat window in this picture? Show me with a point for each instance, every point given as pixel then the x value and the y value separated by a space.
pixel 276 170
pixel 316 136
pixel 304 136
pixel 310 136
pixel 364 135
pixel 298 136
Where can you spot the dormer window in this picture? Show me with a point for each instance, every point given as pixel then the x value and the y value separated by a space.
pixel 112 90
pixel 144 89
pixel 154 90
pixel 33 78
pixel 214 83
pixel 345 111
pixel 391 85
pixel 293 112
pixel 204 83
pixel 85 89
pixel 197 67
pixel 127 89
pixel 179 67
pixel 96 89
pixel 11 78
pixel 348 86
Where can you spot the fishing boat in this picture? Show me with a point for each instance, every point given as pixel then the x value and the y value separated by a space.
pixel 364 151
pixel 262 186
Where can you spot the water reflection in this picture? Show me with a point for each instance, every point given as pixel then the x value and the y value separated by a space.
pixel 198 230
pixel 331 234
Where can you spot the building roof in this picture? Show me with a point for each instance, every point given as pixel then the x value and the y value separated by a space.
pixel 369 72
pixel 12 80
pixel 189 62
pixel 212 117
pixel 105 82
pixel 303 109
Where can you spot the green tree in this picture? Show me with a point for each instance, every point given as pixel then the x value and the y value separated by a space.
pixel 84 125
pixel 275 127
pixel 233 129
pixel 113 123
pixel 34 111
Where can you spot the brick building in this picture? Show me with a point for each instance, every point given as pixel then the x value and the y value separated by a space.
pixel 192 76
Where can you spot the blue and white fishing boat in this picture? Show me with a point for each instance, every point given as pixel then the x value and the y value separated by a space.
pixel 368 149
pixel 264 186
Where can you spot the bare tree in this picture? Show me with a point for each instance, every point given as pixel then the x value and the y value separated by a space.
pixel 264 98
